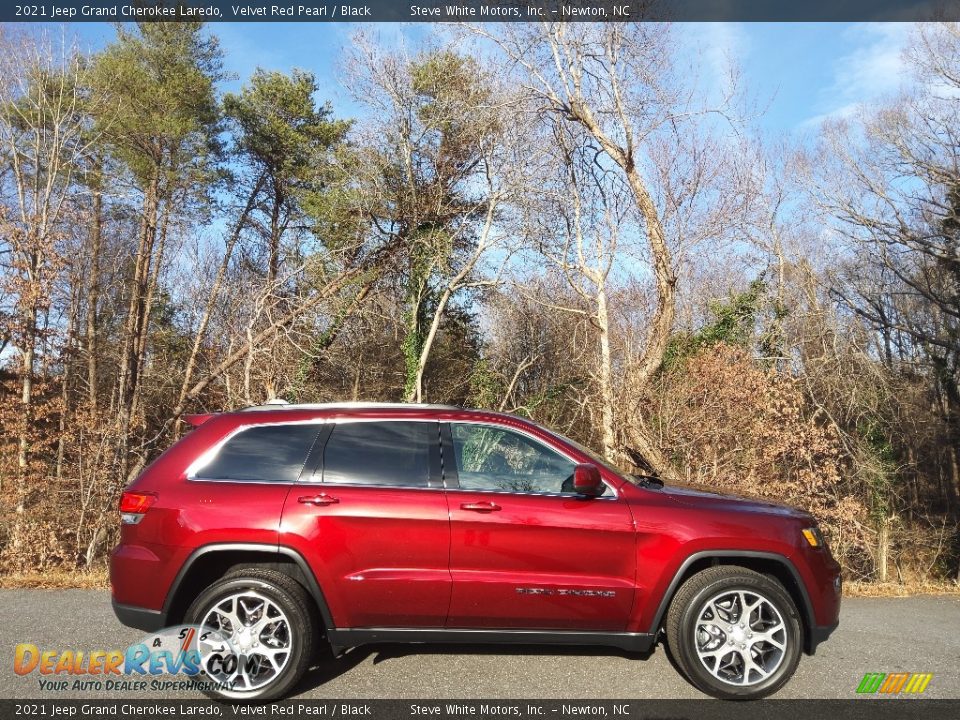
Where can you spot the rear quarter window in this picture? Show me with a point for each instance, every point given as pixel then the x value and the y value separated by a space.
pixel 267 453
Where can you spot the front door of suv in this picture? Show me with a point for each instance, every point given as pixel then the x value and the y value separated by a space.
pixel 527 552
pixel 372 522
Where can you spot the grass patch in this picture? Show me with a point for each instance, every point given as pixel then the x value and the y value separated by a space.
pixel 97 577
pixel 890 589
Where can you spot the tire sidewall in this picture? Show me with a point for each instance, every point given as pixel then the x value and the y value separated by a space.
pixel 298 628
pixel 702 678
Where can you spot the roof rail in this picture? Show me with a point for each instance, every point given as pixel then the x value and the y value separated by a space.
pixel 278 404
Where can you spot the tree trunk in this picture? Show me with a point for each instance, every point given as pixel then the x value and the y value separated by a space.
pixel 273 249
pixel 143 334
pixel 415 392
pixel 607 432
pixel 413 341
pixel 646 454
pixel 26 409
pixel 215 288
pixel 129 360
pixel 883 549
pixel 93 299
pixel 666 280
pixel 333 287
pixel 26 391
pixel 661 325
pixel 68 371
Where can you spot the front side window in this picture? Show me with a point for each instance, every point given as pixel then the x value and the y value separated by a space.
pixel 492 458
pixel 380 453
pixel 268 453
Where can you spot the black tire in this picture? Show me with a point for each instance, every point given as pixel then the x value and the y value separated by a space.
pixel 291 599
pixel 723 583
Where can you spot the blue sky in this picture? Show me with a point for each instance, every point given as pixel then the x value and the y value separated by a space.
pixel 798 73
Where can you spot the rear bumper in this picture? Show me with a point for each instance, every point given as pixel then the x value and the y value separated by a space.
pixel 139 618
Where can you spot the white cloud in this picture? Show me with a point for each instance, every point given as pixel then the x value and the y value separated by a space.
pixel 716 51
pixel 724 45
pixel 872 69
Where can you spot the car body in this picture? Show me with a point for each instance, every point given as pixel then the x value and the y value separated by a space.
pixel 414 523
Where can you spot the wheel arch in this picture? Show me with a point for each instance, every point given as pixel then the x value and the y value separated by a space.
pixel 213 561
pixel 771 564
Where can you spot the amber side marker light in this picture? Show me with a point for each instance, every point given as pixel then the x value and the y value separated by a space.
pixel 813 537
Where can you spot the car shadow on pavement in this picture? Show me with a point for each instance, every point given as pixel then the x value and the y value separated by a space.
pixel 327 668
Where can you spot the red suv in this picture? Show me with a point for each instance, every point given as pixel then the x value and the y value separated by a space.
pixel 284 525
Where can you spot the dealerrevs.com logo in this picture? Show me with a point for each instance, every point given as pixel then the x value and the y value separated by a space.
pixel 187 650
pixel 902 683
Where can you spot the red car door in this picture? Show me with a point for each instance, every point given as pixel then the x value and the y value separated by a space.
pixel 374 526
pixel 527 552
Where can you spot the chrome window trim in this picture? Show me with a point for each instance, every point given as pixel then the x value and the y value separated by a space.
pixel 211 453
pixel 207 456
pixel 497 426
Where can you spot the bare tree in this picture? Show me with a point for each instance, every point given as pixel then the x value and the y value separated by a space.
pixel 888 184
pixel 42 137
pixel 579 219
pixel 619 84
pixel 437 154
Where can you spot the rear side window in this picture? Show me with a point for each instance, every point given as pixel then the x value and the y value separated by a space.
pixel 269 453
pixel 380 453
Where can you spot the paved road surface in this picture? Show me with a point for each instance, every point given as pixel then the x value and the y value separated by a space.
pixel 920 634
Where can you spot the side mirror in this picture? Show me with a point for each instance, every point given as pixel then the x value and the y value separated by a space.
pixel 586 480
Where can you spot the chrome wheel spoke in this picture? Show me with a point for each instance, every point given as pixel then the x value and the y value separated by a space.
pixel 230 615
pixel 740 637
pixel 750 667
pixel 257 647
pixel 715 656
pixel 770 637
pixel 271 655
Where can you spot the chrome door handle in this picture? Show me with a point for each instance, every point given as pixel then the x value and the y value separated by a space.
pixel 483 507
pixel 323 499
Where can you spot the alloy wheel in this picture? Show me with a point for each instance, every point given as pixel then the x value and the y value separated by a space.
pixel 259 634
pixel 740 637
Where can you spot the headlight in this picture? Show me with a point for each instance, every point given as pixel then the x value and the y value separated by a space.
pixel 813 537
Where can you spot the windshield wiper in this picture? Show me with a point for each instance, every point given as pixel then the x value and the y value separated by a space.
pixel 648 481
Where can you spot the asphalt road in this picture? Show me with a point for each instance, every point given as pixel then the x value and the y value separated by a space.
pixel 919 634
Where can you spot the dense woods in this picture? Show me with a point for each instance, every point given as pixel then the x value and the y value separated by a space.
pixel 565 222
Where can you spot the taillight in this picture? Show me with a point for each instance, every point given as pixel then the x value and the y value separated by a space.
pixel 134 505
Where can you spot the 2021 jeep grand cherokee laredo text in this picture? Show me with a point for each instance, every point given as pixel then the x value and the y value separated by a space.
pixel 282 526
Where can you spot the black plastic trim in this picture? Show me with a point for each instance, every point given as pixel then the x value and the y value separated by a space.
pixel 451 479
pixel 819 634
pixel 343 638
pixel 138 617
pixel 436 461
pixel 807 609
pixel 313 587
pixel 313 468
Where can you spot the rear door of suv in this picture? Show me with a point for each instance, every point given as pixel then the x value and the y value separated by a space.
pixel 371 518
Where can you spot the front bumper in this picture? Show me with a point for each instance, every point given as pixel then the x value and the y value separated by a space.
pixel 818 634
